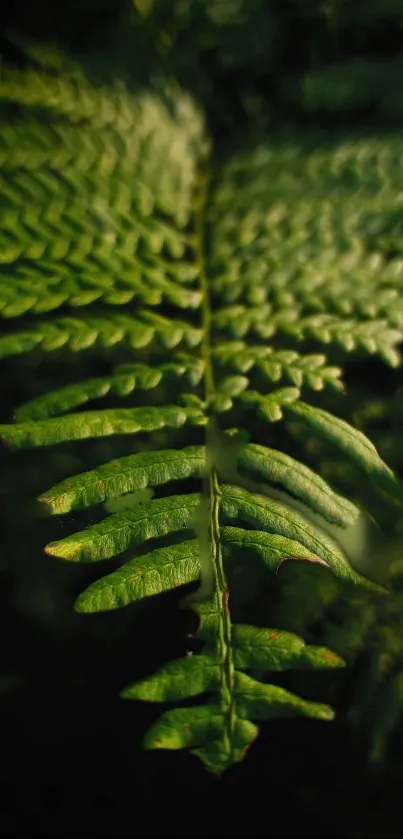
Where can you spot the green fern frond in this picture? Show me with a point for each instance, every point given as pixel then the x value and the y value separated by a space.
pixel 356 83
pixel 101 331
pixel 160 570
pixel 138 471
pixel 107 201
pixel 309 370
pixel 97 424
pixel 201 727
pixel 350 441
pixel 128 377
pixel 307 222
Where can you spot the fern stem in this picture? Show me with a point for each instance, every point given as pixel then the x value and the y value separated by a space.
pixel 212 490
pixel 224 636
pixel 206 308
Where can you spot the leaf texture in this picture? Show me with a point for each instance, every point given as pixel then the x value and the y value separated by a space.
pixel 100 424
pixel 127 474
pixel 278 467
pixel 121 531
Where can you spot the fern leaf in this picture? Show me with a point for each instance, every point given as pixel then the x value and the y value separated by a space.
pixel 270 406
pixel 266 514
pixel 80 334
pixel 350 441
pixel 89 424
pixel 265 649
pixel 127 474
pixel 299 480
pixel 129 378
pixel 309 370
pixel 262 277
pixel 202 728
pixel 354 83
pixel 160 570
pixel 261 701
pixel 294 255
pixel 177 680
pixel 121 531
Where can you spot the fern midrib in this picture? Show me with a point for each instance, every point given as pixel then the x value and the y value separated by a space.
pixel 212 490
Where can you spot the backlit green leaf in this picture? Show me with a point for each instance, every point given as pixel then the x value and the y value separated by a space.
pixel 160 570
pixel 177 680
pixel 126 474
pixel 121 531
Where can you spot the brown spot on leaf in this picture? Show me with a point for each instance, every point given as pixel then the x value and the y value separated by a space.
pixel 329 656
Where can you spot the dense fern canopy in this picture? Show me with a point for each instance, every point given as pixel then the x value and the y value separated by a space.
pixel 235 292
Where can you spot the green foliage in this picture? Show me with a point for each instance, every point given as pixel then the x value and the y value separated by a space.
pixel 355 84
pixel 217 739
pixel 110 200
pixel 246 60
pixel 119 477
